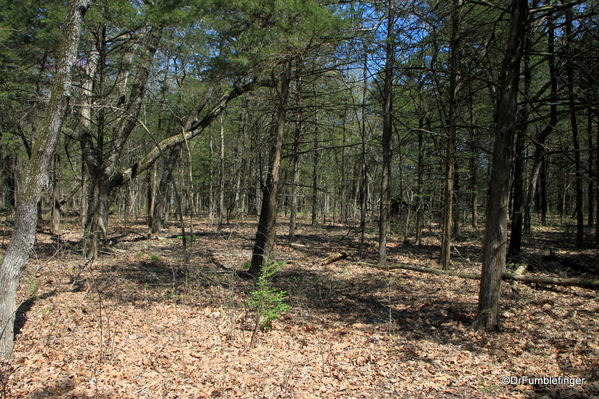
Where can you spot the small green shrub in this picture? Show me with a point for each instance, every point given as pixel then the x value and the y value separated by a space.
pixel 265 301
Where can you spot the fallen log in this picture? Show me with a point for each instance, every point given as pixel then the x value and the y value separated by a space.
pixel 335 257
pixel 578 282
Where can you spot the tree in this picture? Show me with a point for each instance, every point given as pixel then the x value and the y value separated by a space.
pixel 387 134
pixel 495 241
pixel 518 183
pixel 265 235
pixel 102 151
pixel 316 26
pixel 453 117
pixel 35 175
pixel 574 126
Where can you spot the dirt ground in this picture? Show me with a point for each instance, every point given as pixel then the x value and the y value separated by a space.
pixel 141 322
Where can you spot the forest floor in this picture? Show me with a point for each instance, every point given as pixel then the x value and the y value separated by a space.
pixel 140 322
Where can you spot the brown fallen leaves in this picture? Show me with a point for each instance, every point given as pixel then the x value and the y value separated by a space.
pixel 140 324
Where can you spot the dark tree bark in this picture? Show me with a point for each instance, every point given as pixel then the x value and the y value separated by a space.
pixel 56 195
pixel 265 235
pixel 220 205
pixel 35 176
pixel 597 185
pixel 591 169
pixel 453 113
pixel 574 126
pixel 473 182
pixel 515 246
pixel 315 169
pixel 296 165
pixel 419 183
pixel 364 191
pixel 8 181
pixel 495 241
pixel 385 204
pixel 160 196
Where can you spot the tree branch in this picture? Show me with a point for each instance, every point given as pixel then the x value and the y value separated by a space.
pixel 148 160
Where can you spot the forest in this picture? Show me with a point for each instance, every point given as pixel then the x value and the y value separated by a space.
pixel 299 199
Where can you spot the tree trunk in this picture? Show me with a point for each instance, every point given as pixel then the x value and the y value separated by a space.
pixel 266 232
pixel 574 126
pixel 56 194
pixel 296 165
pixel 597 186
pixel 151 195
pixel 35 177
pixel 91 69
pixel 102 157
pixel 364 167
pixel 473 168
pixel 315 166
pixel 450 161
pixel 591 169
pixel 387 135
pixel 210 176
pixel 220 205
pixel 237 207
pixel 494 244
pixel 457 220
pixel 419 184
pixel 519 200
pixel 161 194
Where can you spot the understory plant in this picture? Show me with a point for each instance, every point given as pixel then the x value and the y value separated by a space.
pixel 265 301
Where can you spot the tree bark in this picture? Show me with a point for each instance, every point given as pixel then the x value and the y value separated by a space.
pixel 597 185
pixel 387 135
pixel 160 196
pixel 364 191
pixel 296 165
pixel 86 115
pixel 35 176
pixel 515 246
pixel 419 184
pixel 574 127
pixel 315 169
pixel 450 161
pixel 494 244
pixel 591 169
pixel 266 232
pixel 220 206
pixel 56 194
